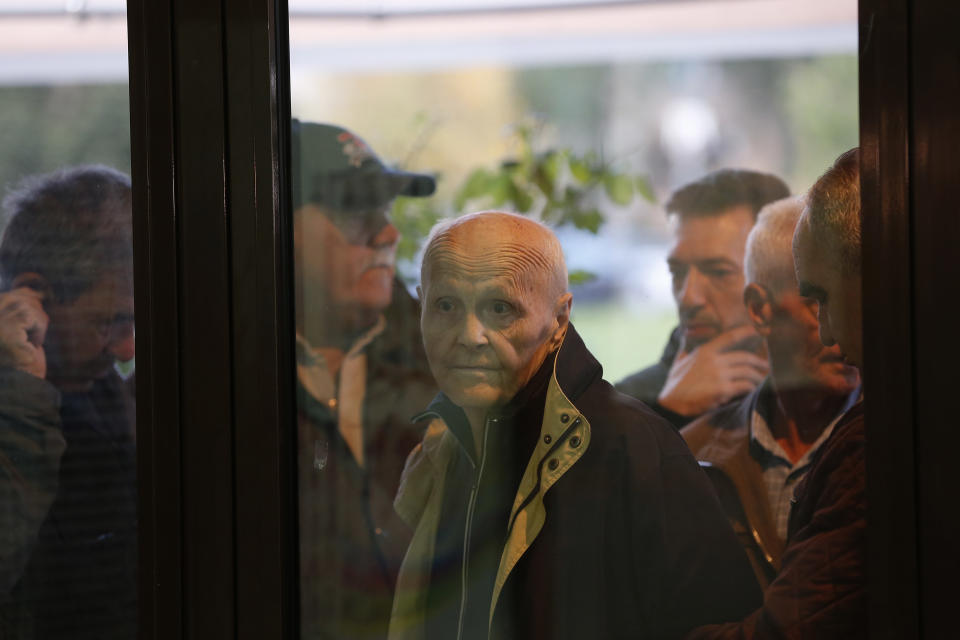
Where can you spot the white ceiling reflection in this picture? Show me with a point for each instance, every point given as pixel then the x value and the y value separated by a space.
pixel 69 41
pixel 56 7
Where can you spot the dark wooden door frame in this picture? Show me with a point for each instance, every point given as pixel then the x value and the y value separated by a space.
pixel 209 125
pixel 214 318
pixel 910 133
pixel 888 327
pixel 934 121
pixel 258 122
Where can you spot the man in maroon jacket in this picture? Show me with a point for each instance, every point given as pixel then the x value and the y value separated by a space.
pixel 758 450
pixel 820 589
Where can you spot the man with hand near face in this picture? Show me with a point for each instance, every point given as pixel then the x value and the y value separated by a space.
pixel 820 589
pixel 544 504
pixel 31 441
pixel 714 355
pixel 66 258
pixel 759 448
pixel 361 375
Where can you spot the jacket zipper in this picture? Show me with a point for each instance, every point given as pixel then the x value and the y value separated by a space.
pixel 471 505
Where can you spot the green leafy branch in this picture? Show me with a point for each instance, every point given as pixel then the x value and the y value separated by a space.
pixel 557 186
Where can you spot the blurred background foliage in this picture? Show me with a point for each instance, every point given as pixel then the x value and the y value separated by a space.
pixel 589 148
pixel 559 187
pixel 43 128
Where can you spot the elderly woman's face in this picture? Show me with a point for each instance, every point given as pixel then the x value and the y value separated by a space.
pixel 488 321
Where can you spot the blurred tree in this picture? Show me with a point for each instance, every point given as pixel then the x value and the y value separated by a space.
pixel 43 128
pixel 820 100
pixel 575 99
pixel 557 186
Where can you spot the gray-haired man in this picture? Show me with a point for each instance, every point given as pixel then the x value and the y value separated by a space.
pixel 759 448
pixel 820 590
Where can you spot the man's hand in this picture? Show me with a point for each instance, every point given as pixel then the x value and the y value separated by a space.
pixel 23 326
pixel 712 374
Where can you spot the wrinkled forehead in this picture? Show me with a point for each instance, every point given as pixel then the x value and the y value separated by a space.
pixel 456 255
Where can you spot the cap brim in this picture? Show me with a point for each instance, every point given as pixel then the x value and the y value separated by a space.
pixel 361 190
pixel 415 185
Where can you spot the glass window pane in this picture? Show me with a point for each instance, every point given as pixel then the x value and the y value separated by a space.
pixel 68 548
pixel 647 137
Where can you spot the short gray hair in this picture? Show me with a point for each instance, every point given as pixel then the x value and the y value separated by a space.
pixel 70 226
pixel 769 257
pixel 832 214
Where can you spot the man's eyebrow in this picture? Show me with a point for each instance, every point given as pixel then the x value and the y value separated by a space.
pixel 503 292
pixel 809 290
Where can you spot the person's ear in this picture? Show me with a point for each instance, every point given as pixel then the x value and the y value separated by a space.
pixel 561 313
pixel 759 304
pixel 33 280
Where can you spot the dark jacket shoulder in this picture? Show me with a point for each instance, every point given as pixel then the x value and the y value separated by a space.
pixel 836 480
pixel 616 418
pixel 646 384
pixel 675 536
pixel 31 445
pixel 820 591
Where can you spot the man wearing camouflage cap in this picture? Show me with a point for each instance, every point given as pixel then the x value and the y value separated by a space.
pixel 361 375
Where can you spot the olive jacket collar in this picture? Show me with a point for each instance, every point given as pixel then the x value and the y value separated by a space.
pixel 564 438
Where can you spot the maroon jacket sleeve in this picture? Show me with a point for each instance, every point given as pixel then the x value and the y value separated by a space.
pixel 820 590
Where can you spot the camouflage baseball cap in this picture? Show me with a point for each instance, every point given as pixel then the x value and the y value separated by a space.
pixel 336 168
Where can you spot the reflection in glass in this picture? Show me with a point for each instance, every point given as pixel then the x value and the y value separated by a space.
pixel 68 524
pixel 593 120
pixel 361 374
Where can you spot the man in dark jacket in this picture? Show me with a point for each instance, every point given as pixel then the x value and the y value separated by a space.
pixel 759 448
pixel 820 589
pixel 545 504
pixel 69 242
pixel 361 376
pixel 714 355
pixel 31 441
